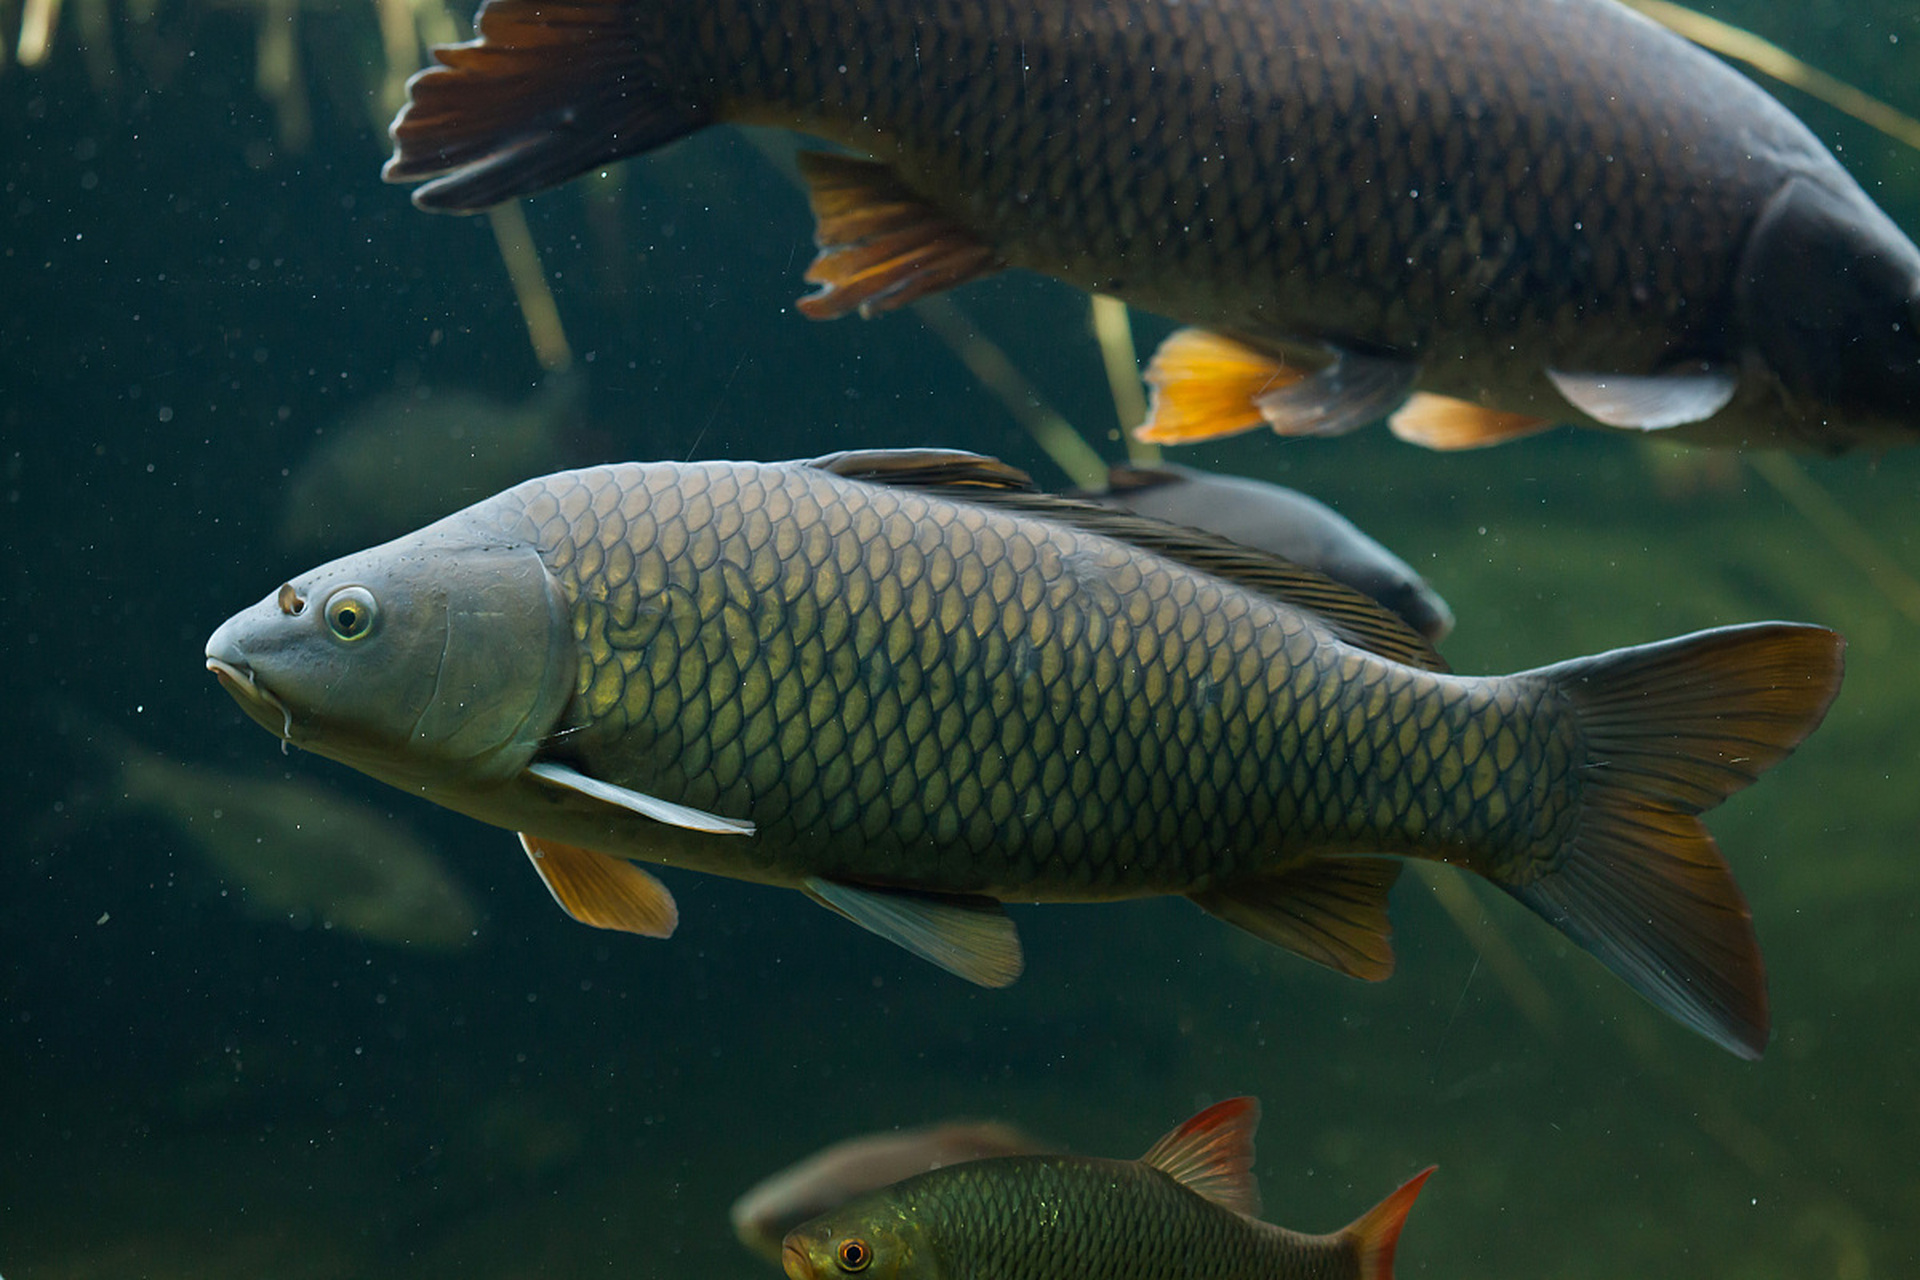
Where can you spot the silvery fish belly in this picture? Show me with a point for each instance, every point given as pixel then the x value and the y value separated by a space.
pixel 1478 218
pixel 914 687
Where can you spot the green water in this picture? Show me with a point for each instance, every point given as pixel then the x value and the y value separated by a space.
pixel 189 302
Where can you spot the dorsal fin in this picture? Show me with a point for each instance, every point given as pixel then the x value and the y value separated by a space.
pixel 926 469
pixel 1212 1155
pixel 1354 616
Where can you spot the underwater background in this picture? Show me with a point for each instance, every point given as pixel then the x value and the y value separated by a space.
pixel 206 1072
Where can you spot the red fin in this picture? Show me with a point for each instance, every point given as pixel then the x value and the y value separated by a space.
pixel 1376 1233
pixel 1212 1155
pixel 603 891
pixel 881 245
pixel 1670 730
pixel 548 90
pixel 1333 912
pixel 1441 422
pixel 1205 385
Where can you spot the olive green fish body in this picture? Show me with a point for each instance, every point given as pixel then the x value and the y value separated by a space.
pixel 1187 1210
pixel 915 688
pixel 903 689
pixel 1513 205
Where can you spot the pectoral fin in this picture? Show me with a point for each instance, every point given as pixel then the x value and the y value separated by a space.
pixel 674 815
pixel 1650 402
pixel 1207 385
pixel 1333 912
pixel 971 938
pixel 1441 422
pixel 881 245
pixel 605 892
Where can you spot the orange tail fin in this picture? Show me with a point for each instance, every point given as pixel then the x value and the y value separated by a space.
pixel 1375 1234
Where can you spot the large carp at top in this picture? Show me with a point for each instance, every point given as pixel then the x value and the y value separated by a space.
pixel 914 688
pixel 1471 217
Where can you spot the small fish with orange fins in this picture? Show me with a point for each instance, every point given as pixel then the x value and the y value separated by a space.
pixel 1187 1210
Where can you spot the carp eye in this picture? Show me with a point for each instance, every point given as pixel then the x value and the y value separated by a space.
pixel 350 612
pixel 853 1254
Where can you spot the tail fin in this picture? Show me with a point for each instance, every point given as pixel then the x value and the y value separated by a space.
pixel 549 89
pixel 1375 1235
pixel 1672 729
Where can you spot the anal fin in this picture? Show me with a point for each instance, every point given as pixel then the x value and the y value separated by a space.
pixel 1206 385
pixel 603 891
pixel 971 938
pixel 1442 422
pixel 881 244
pixel 1332 911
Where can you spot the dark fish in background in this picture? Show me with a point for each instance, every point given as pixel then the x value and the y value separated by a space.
pixel 1528 212
pixel 1187 1210
pixel 836 1174
pixel 912 686
pixel 399 460
pixel 1283 522
pixel 297 850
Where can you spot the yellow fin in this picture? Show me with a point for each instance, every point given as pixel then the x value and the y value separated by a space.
pixel 1332 911
pixel 603 891
pixel 1442 422
pixel 881 245
pixel 1206 385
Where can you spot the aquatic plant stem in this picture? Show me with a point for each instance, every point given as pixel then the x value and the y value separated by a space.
pixel 1771 60
pixel 1843 533
pixel 37 23
pixel 1113 329
pixel 995 370
pixel 1489 941
pixel 537 307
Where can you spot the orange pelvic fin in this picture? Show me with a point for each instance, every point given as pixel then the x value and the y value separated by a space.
pixel 1212 1155
pixel 1333 912
pixel 1442 422
pixel 1375 1235
pixel 1205 385
pixel 603 891
pixel 881 244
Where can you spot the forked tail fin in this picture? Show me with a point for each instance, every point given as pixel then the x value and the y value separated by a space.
pixel 1672 729
pixel 548 89
pixel 1375 1234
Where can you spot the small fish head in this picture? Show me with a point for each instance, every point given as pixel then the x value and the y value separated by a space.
pixel 1829 302
pixel 433 660
pixel 870 1238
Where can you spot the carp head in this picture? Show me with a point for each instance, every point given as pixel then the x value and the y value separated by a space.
pixel 443 658
pixel 1828 299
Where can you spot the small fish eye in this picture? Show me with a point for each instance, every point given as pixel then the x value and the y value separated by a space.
pixel 853 1254
pixel 291 602
pixel 350 612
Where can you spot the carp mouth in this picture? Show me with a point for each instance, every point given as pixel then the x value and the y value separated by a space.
pixel 238 680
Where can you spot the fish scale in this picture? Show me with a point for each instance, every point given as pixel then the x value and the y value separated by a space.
pixel 966 699
pixel 914 687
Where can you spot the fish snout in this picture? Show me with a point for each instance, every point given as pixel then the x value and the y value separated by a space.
pixel 231 669
pixel 794 1259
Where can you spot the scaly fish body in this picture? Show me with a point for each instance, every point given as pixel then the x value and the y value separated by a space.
pixel 1187 1210
pixel 1517 206
pixel 913 696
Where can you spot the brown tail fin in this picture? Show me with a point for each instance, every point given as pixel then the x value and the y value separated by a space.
pixel 549 89
pixel 1375 1235
pixel 1671 730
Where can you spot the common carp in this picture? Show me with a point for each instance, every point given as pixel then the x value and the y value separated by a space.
pixel 1187 1210
pixel 912 686
pixel 1528 212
